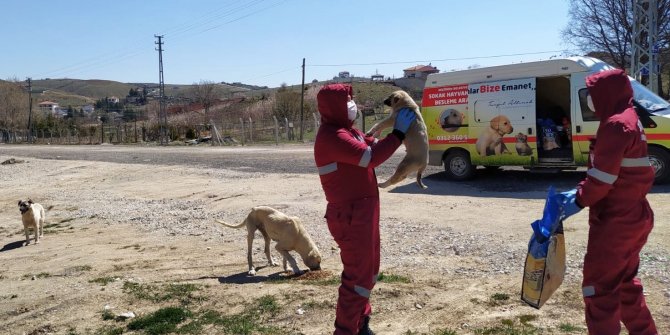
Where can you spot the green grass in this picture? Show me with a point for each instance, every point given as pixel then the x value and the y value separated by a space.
pixel 569 328
pixel 162 321
pixel 109 330
pixel 155 293
pixel 38 276
pixel 435 332
pixel 391 278
pixel 102 280
pixel 508 327
pixel 108 315
pixel 498 299
pixel 181 320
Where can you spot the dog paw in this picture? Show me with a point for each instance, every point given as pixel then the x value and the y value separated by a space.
pixel 252 272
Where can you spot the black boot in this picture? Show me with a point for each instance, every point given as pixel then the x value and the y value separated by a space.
pixel 365 328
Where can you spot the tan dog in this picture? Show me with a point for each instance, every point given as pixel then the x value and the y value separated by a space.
pixel 33 217
pixel 416 139
pixel 452 120
pixel 490 141
pixel 287 231
pixel 522 147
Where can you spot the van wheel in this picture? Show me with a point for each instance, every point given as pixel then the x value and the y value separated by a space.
pixel 457 165
pixel 660 161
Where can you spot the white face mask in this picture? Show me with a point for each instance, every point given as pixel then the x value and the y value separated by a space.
pixel 352 110
pixel 589 102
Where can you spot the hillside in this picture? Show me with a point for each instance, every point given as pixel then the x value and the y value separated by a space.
pixel 94 89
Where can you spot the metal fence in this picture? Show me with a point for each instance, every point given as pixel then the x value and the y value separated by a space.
pixel 226 132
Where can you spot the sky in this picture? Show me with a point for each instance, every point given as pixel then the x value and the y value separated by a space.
pixel 263 42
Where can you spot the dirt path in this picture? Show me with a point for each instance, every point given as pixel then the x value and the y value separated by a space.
pixel 141 237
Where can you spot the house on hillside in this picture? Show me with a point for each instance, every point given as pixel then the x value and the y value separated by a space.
pixel 88 109
pixel 420 71
pixel 113 100
pixel 48 107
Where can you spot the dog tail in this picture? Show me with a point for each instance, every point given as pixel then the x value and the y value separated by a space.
pixel 232 226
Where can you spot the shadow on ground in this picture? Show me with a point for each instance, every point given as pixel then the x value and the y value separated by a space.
pixel 503 183
pixel 11 246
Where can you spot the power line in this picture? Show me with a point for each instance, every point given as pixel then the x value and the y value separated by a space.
pixel 179 33
pixel 439 60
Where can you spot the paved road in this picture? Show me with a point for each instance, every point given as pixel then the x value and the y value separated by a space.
pixel 279 159
pixel 299 158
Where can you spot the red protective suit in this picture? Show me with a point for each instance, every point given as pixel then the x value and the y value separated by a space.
pixel 618 179
pixel 346 159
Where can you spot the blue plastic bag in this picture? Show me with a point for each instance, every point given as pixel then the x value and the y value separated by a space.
pixel 545 262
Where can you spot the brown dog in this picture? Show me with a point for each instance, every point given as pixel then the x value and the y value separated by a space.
pixel 287 231
pixel 490 141
pixel 33 217
pixel 416 139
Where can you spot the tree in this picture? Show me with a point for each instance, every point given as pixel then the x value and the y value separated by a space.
pixel 607 26
pixel 13 105
pixel 287 103
pixel 203 92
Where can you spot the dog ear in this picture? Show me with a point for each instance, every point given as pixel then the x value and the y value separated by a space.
pixel 494 123
pixel 30 201
pixel 19 202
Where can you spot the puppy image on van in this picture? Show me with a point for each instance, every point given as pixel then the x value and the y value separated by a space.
pixel 490 141
pixel 33 216
pixel 416 139
pixel 287 231
pixel 522 147
pixel 451 120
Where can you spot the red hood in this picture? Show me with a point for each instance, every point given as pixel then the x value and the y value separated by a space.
pixel 610 91
pixel 332 104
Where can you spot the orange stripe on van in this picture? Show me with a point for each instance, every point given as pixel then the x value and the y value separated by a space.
pixel 530 139
pixel 650 137
pixel 658 137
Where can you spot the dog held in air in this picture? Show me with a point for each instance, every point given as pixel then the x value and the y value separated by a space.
pixel 416 139
pixel 287 231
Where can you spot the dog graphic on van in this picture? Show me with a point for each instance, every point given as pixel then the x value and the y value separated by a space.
pixel 490 141
pixel 451 120
pixel 522 147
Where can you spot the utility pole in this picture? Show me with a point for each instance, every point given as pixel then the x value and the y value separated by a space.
pixel 30 111
pixel 302 101
pixel 162 115
pixel 644 63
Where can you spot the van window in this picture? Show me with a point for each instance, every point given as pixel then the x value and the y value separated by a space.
pixel 650 101
pixel 587 113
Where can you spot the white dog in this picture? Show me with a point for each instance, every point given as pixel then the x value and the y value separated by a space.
pixel 33 216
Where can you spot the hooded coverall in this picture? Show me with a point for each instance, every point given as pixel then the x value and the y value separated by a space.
pixel 619 176
pixel 346 159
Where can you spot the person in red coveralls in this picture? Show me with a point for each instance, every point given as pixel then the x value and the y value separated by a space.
pixel 618 178
pixel 346 159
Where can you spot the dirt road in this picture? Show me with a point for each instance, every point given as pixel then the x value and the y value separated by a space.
pixel 131 229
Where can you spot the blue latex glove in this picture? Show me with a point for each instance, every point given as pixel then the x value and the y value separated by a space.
pixel 404 119
pixel 569 204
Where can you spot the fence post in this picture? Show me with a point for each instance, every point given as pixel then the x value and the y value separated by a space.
pixel 276 130
pixel 316 123
pixel 251 131
pixel 242 130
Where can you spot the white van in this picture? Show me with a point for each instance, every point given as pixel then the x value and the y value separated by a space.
pixel 529 114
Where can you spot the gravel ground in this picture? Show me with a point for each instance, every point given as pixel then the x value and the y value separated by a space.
pixel 426 234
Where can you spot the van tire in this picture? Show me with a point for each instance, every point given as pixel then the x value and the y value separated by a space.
pixel 660 161
pixel 457 165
